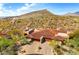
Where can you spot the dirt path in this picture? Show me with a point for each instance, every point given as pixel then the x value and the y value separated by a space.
pixel 36 48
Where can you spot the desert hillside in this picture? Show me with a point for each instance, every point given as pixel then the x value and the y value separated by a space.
pixel 41 19
pixel 12 29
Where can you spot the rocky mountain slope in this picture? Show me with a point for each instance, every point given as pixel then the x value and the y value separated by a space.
pixel 41 19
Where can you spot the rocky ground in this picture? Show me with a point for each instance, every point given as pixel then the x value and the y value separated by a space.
pixel 36 48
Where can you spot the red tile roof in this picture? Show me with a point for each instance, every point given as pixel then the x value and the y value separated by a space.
pixel 47 33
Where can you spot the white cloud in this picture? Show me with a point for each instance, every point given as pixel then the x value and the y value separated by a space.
pixel 1 6
pixel 26 7
pixel 19 11
pixel 9 13
pixel 26 4
pixel 4 12
pixel 1 11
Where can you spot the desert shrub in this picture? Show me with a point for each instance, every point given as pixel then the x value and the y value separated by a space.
pixel 24 40
pixel 56 45
pixel 19 21
pixel 15 31
pixel 5 42
pixel 53 43
pixel 74 38
pixel 75 33
pixel 9 51
pixel 10 47
pixel 73 42
pixel 6 46
pixel 60 49
pixel 73 45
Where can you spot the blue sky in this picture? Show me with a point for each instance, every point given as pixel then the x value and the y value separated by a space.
pixel 14 9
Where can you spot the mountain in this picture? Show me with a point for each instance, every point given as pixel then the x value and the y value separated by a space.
pixel 39 19
pixel 77 13
pixel 39 13
pixel 72 14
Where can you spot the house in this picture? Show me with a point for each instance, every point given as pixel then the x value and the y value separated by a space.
pixel 48 34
